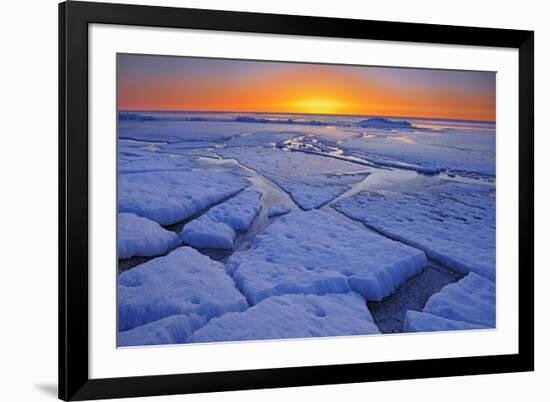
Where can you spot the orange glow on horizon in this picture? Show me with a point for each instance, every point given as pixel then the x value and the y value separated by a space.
pixel 306 88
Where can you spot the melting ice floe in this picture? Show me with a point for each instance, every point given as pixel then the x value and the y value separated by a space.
pixel 466 304
pixel 183 282
pixel 314 252
pixel 454 223
pixel 170 197
pixel 219 226
pixel 142 237
pixel 292 316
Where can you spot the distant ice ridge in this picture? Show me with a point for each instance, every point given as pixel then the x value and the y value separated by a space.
pixel 142 237
pixel 376 122
pixel 292 316
pixel 169 330
pixel 218 227
pixel 453 223
pixel 383 123
pixel 311 180
pixel 183 282
pixel 170 197
pixel 467 304
pixel 316 253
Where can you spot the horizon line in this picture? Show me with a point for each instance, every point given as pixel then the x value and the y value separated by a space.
pixel 302 113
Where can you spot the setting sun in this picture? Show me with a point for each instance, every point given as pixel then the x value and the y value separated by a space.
pixel 319 106
pixel 201 84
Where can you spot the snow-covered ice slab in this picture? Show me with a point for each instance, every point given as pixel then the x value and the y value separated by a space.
pixel 142 237
pixel 292 316
pixel 218 227
pixel 170 330
pixel 454 223
pixel 462 152
pixel 147 161
pixel 278 209
pixel 472 299
pixel 310 179
pixel 183 282
pixel 170 197
pixel 416 321
pixel 316 252
pixel 467 304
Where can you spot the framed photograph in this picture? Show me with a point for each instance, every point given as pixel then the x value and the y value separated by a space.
pixel 258 200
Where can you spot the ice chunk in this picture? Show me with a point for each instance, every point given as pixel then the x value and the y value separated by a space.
pixel 316 252
pixel 466 304
pixel 292 316
pixel 183 282
pixel 142 237
pixel 416 321
pixel 472 299
pixel 454 223
pixel 170 197
pixel 278 209
pixel 218 227
pixel 173 329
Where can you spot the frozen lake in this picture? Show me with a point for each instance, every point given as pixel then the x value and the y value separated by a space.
pixel 239 226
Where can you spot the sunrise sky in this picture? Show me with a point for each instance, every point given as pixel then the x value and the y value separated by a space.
pixel 182 83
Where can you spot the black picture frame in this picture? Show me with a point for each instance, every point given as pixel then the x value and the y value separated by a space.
pixel 74 18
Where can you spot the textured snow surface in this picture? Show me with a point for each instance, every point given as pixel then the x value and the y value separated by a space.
pixel 183 282
pixel 170 197
pixel 311 180
pixel 262 138
pixel 454 223
pixel 465 153
pixel 292 316
pixel 172 329
pixel 142 237
pixel 278 209
pixel 416 321
pixel 218 227
pixel 140 160
pixel 315 252
pixel 467 304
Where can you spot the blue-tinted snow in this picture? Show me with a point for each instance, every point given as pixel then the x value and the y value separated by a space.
pixel 416 321
pixel 172 329
pixel 316 252
pixel 142 237
pixel 261 138
pixel 311 180
pixel 292 316
pixel 461 152
pixel 278 209
pixel 218 227
pixel 183 282
pixel 454 223
pixel 142 160
pixel 170 197
pixel 471 299
pixel 466 304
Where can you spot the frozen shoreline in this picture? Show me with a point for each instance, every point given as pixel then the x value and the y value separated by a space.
pixel 329 169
